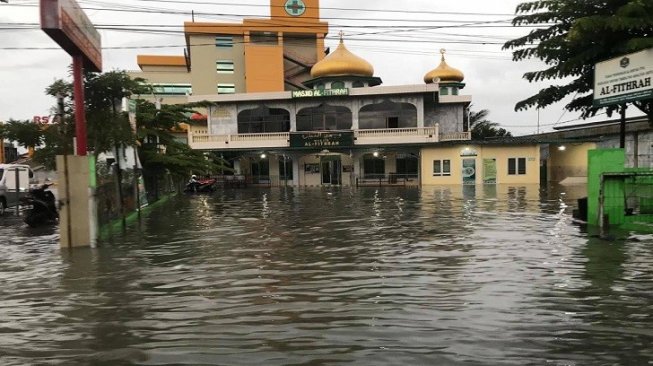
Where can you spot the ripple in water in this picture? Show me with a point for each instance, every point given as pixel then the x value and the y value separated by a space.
pixel 480 275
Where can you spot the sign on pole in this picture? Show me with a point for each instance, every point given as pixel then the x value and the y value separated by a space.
pixel 624 79
pixel 67 24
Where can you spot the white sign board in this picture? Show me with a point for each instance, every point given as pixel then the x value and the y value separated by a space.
pixel 624 79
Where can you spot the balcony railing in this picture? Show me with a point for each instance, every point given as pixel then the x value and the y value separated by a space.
pixel 199 138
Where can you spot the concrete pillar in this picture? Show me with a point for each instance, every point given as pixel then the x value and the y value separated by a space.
pixel 356 159
pixel 295 170
pixel 355 108
pixel 419 104
pixel 237 167
pixel 76 190
pixel 293 118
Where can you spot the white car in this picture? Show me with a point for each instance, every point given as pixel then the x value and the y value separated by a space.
pixel 10 176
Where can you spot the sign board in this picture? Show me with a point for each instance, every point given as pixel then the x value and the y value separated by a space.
pixel 41 120
pixel 315 93
pixel 322 139
pixel 67 24
pixel 624 79
pixel 490 171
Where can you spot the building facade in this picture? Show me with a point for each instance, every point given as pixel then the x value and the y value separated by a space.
pixel 256 55
pixel 344 130
pixel 285 111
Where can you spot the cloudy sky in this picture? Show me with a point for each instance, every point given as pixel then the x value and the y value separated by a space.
pixel 401 39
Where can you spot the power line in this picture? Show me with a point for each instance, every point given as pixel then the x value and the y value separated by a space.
pixel 394 11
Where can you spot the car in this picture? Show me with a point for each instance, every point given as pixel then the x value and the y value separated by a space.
pixel 11 177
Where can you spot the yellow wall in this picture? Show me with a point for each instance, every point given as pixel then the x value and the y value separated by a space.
pixel 571 162
pixel 264 68
pixel 500 153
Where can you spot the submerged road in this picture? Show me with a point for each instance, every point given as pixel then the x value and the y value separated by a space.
pixel 438 276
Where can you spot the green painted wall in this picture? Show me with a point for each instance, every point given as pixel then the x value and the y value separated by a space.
pixel 601 161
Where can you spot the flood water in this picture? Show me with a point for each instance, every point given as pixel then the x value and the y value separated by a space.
pixel 437 276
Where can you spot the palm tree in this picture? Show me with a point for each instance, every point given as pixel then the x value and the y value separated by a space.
pixel 482 128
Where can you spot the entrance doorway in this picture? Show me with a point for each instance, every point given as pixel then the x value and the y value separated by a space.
pixel 331 168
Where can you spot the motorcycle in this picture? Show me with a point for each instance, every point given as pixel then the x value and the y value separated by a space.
pixel 201 186
pixel 42 208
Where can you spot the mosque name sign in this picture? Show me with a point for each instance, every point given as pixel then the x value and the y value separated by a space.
pixel 314 93
pixel 624 79
pixel 322 139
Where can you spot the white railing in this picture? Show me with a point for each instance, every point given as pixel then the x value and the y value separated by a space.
pixel 397 132
pixel 455 136
pixel 199 138
pixel 273 136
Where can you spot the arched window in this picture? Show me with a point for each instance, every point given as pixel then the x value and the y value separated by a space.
pixel 358 84
pixel 263 119
pixel 324 117
pixel 387 114
pixel 337 85
pixel 319 86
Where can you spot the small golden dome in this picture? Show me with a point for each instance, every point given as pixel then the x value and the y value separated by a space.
pixel 342 62
pixel 444 72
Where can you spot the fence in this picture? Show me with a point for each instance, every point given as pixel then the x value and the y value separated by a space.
pixel 119 194
pixel 391 179
pixel 625 197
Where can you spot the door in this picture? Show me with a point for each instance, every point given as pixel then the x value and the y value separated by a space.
pixel 469 171
pixel 331 170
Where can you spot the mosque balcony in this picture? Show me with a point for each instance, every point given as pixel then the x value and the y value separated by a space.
pixel 200 139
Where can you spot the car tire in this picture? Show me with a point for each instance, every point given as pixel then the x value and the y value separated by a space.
pixel 3 206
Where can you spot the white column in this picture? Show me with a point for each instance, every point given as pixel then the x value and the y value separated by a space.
pixel 420 112
pixel 295 170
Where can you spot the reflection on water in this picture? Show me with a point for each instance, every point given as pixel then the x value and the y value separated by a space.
pixel 443 275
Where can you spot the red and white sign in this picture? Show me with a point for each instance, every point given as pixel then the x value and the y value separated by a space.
pixel 41 120
pixel 67 24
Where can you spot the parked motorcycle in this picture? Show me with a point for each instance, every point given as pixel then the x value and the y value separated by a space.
pixel 201 186
pixel 42 208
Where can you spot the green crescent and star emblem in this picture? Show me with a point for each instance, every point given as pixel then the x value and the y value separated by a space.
pixel 295 7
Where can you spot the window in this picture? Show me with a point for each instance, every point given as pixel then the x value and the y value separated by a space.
pixel 226 88
pixel 516 166
pixel 407 165
pixel 172 89
pixel 337 85
pixel 285 168
pixel 324 117
pixel 441 168
pixel 393 122
pixel 373 167
pixel 358 84
pixel 263 38
pixel 224 67
pixel 224 41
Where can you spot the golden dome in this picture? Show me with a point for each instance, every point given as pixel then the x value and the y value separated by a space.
pixel 444 72
pixel 342 62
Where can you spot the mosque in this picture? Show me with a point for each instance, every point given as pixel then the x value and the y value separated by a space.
pixel 287 113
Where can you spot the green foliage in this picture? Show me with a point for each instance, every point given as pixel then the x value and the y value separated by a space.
pixel 107 125
pixel 571 37
pixel 483 128
pixel 26 133
pixel 160 152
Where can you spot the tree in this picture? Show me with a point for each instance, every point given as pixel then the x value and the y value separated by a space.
pixel 26 133
pixel 107 125
pixel 160 152
pixel 483 128
pixel 571 37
